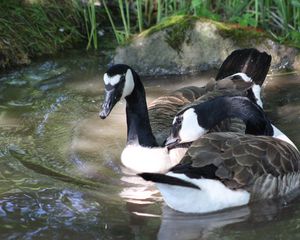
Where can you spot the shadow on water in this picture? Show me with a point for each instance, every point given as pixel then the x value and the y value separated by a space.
pixel 61 175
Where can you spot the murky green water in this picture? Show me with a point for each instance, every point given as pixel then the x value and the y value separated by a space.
pixel 60 173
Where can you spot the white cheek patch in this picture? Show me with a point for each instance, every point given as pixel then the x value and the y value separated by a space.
pixel 256 91
pixel 113 80
pixel 243 76
pixel 190 129
pixel 174 120
pixel 129 84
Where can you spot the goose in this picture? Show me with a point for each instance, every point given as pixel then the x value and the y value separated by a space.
pixel 246 66
pixel 226 169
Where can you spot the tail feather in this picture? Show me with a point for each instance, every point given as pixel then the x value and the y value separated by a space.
pixel 162 178
pixel 250 61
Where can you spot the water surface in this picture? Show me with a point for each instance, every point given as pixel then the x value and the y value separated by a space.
pixel 61 176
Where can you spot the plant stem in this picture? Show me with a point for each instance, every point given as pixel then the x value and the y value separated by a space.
pixel 111 21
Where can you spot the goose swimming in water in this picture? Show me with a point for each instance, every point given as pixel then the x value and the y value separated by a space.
pixel 145 141
pixel 227 169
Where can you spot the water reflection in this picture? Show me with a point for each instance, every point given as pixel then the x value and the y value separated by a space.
pixel 235 222
pixel 60 214
pixel 178 226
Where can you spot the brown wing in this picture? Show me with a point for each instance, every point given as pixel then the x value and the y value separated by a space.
pixel 265 166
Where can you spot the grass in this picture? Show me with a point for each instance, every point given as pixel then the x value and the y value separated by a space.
pixel 89 13
pixel 35 27
pixel 32 29
pixel 281 18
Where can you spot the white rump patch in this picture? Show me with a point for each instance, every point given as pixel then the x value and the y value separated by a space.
pixel 129 84
pixel 243 76
pixel 213 195
pixel 143 159
pixel 280 135
pixel 113 80
pixel 190 129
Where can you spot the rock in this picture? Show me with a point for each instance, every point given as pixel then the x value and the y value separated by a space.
pixel 185 44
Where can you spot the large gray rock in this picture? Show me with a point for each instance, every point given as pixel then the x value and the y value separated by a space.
pixel 189 44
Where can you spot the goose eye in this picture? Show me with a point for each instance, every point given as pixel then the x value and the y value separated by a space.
pixel 179 120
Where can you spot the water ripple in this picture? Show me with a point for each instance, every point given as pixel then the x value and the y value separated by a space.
pixel 54 107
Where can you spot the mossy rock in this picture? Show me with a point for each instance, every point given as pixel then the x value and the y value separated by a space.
pixel 185 44
pixel 176 33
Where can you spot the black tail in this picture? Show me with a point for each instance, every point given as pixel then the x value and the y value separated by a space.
pixel 250 61
pixel 162 178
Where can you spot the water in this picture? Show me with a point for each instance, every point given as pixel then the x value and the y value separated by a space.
pixel 61 176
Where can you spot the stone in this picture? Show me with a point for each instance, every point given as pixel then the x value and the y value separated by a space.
pixel 185 44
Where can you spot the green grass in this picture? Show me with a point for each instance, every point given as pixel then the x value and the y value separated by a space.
pixel 89 13
pixel 32 29
pixel 280 18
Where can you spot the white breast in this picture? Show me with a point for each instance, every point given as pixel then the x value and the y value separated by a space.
pixel 176 155
pixel 143 159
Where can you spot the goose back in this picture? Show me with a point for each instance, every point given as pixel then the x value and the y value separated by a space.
pixel 264 166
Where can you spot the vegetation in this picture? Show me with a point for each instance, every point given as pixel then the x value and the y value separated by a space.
pixel 37 27
pixel 34 27
pixel 89 12
pixel 281 18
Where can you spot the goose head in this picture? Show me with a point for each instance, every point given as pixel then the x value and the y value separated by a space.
pixel 119 83
pixel 185 128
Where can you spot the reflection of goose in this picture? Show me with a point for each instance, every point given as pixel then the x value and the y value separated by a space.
pixel 181 226
pixel 227 169
pixel 178 226
pixel 142 152
pixel 137 191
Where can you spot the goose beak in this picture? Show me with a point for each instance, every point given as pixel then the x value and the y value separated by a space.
pixel 108 104
pixel 171 142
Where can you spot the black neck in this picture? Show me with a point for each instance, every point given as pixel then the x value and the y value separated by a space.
pixel 214 111
pixel 138 125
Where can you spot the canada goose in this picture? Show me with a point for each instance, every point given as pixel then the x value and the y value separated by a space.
pixel 210 108
pixel 121 81
pixel 194 121
pixel 227 169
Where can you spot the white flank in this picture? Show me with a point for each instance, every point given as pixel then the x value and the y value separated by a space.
pixel 129 84
pixel 113 80
pixel 256 91
pixel 213 195
pixel 190 129
pixel 143 159
pixel 280 135
pixel 243 76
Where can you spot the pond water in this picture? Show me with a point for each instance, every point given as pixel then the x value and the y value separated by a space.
pixel 61 176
